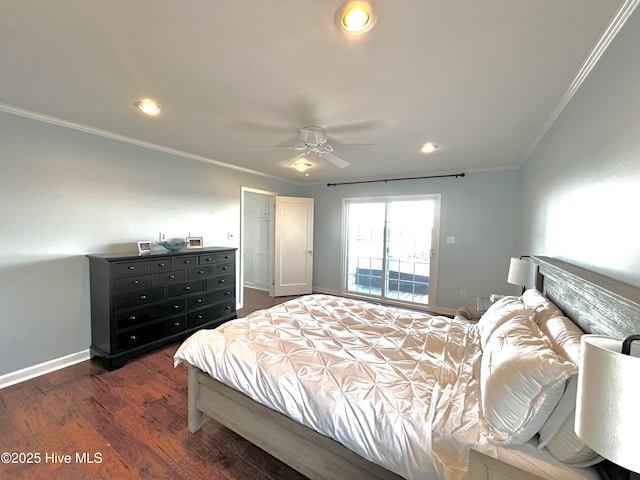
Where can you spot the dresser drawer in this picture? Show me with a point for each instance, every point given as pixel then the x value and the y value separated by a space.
pixel 187 288
pixel 175 325
pixel 147 334
pixel 200 272
pixel 222 268
pixel 216 258
pixel 133 282
pixel 186 261
pixel 129 268
pixel 138 297
pixel 168 278
pixel 221 281
pixel 203 299
pixel 160 265
pixel 210 314
pixel 227 257
pixel 131 318
pixel 208 259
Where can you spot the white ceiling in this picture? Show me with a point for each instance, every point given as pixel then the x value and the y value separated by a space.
pixel 483 79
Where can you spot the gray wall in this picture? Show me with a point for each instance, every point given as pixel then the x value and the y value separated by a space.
pixel 481 210
pixel 65 193
pixel 581 187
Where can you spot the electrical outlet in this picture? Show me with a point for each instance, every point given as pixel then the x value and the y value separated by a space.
pixel 451 240
pixel 463 294
pixel 231 236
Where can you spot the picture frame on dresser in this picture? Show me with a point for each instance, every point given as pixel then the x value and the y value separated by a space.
pixel 140 303
pixel 194 243
pixel 144 246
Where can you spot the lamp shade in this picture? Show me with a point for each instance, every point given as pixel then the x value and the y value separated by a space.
pixel 518 271
pixel 607 413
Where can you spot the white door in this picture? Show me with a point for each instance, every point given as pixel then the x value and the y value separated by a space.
pixel 293 256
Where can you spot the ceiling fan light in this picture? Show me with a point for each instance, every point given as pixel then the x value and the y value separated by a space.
pixel 148 107
pixel 302 165
pixel 429 147
pixel 356 17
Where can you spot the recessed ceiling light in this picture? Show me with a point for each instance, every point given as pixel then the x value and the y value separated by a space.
pixel 148 106
pixel 356 17
pixel 430 147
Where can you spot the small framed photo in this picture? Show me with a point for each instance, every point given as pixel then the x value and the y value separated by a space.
pixel 144 246
pixel 194 242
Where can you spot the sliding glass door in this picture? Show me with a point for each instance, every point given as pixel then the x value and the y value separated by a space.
pixel 390 247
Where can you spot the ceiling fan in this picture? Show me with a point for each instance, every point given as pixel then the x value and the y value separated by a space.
pixel 313 143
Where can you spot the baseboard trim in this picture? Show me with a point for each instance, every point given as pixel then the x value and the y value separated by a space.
pixel 18 376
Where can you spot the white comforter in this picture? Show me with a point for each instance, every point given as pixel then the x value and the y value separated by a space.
pixel 395 386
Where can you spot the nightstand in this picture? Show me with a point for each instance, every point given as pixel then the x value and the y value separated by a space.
pixel 484 467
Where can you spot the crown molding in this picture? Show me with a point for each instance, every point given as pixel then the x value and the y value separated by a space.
pixel 41 117
pixel 617 22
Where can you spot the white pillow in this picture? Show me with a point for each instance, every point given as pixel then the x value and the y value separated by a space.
pixel 543 307
pixel 565 336
pixel 558 434
pixel 499 312
pixel 521 381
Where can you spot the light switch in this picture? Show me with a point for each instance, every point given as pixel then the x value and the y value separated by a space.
pixel 451 240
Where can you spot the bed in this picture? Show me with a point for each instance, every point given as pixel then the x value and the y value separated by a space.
pixel 347 405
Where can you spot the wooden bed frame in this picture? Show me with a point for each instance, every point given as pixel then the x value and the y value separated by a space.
pixel 595 303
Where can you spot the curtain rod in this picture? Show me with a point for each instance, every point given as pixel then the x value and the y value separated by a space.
pixel 456 175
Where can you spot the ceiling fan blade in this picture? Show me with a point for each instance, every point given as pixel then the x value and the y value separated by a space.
pixel 354 126
pixel 337 161
pixel 277 148
pixel 361 146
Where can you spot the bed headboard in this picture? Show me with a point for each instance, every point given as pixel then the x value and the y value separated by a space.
pixel 597 304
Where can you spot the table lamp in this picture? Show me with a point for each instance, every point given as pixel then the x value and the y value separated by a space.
pixel 608 399
pixel 518 272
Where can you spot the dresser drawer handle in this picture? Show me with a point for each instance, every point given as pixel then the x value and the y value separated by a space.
pixel 199 300
pixel 132 317
pixel 221 281
pixel 227 257
pixel 225 268
pixel 136 282
pixel 131 267
pixel 133 338
pixel 161 264
pixel 176 324
pixel 201 272
pixel 187 262
pixel 227 292
pixel 208 259
pixel 227 307
pixel 176 307
pixel 199 317
pixel 172 276
pixel 187 287
pixel 143 297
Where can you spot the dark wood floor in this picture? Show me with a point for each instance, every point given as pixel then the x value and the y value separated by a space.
pixel 86 422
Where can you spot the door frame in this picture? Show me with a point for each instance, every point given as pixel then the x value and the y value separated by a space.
pixel 243 190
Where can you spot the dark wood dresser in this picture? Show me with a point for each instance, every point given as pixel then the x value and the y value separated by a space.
pixel 140 302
